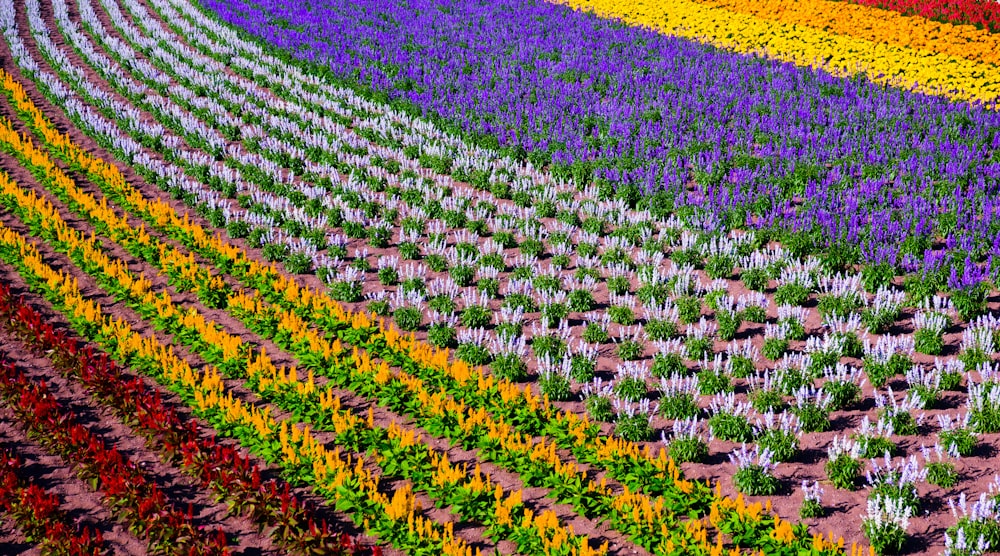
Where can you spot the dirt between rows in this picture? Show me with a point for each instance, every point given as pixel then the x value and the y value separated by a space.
pixel 534 498
pixel 844 508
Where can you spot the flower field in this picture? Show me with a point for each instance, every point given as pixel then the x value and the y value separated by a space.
pixel 686 277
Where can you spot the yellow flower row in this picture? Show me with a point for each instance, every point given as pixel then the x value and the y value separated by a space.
pixel 319 304
pixel 211 395
pixel 209 392
pixel 876 25
pixel 792 41
pixel 608 448
pixel 259 367
pixel 330 468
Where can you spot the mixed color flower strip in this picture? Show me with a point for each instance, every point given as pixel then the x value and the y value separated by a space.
pixel 878 26
pixel 272 172
pixel 876 168
pixel 232 476
pixel 118 227
pixel 803 37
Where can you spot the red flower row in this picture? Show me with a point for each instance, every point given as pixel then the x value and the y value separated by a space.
pixel 129 492
pixel 984 14
pixel 35 511
pixel 270 504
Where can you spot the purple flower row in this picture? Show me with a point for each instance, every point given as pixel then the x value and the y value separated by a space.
pixel 888 175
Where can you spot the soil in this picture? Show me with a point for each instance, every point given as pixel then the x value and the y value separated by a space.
pixel 844 508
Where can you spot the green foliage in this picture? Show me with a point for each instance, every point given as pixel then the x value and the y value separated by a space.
pixel 813 417
pixel 843 471
pixel 754 313
pixel 843 393
pixel 436 263
pixel 679 405
pixel 962 439
pixel 489 286
pixel 811 509
pixel 876 446
pixel 464 275
pixel 774 348
pixel 666 364
pixel 728 323
pixel 886 537
pixel 631 388
pixel 742 367
pixel 698 348
pixel 388 276
pixel 734 428
pixel 473 354
pixel 928 342
pixel 755 279
pixel 476 316
pixel 441 335
pixel 875 276
pixel 711 382
pixel 719 266
pixel 622 315
pixel 659 330
pixel 407 318
pixel 754 480
pixel 509 366
pixel 630 350
pixel 555 385
pixel 688 449
pixel 550 346
pixel 766 400
pixel 582 368
pixel 878 321
pixel 599 408
pixel 618 285
pixel 783 445
pixel 634 428
pixel 970 302
pixel 843 305
pixel 942 474
pixel 688 309
pixel 409 251
pixel 553 313
pixel 791 294
pixel 580 301
pixel 442 303
pixel 902 421
pixel 594 333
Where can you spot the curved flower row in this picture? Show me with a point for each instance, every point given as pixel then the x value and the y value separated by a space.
pixel 270 503
pixel 228 352
pixel 293 447
pixel 124 485
pixel 878 26
pixel 322 310
pixel 743 27
pixel 754 136
pixel 439 356
pixel 359 337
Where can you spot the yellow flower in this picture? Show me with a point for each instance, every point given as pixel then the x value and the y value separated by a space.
pixel 402 504
pixel 744 26
pixel 782 531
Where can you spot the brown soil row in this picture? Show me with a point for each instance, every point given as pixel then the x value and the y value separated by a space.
pixel 846 507
pixel 507 480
